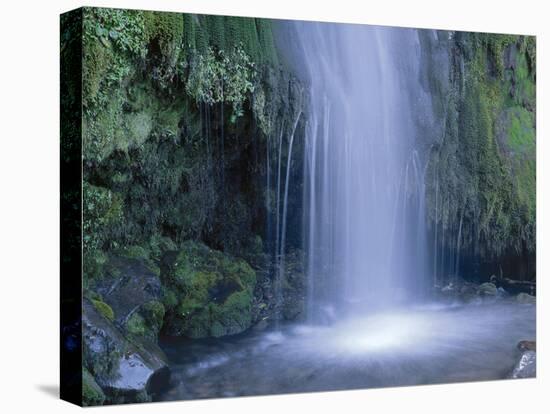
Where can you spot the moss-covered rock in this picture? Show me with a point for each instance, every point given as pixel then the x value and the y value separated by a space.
pixel 146 321
pixel 105 310
pixel 127 370
pixel 92 394
pixel 208 292
pixel 481 169
pixel 130 287
pixel 180 116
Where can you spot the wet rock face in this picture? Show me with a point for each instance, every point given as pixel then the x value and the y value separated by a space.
pixel 526 365
pixel 125 370
pixel 281 296
pixel 132 288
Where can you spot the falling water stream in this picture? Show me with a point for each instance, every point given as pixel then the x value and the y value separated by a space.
pixel 370 319
pixel 364 180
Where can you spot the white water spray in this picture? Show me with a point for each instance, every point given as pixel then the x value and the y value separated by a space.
pixel 364 181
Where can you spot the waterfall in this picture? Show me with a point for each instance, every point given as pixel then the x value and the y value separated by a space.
pixel 280 252
pixel 365 227
pixel 268 193
pixel 287 182
pixel 436 221
pixel 277 208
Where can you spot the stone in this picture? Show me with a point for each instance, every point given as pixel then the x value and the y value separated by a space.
pixel 487 290
pixel 527 346
pixel 92 394
pixel 526 367
pixel 208 293
pixel 467 292
pixel 261 326
pixel 525 298
pixel 125 370
pixel 133 291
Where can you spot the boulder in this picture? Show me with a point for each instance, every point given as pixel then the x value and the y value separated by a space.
pixel 526 367
pixel 207 293
pixel 126 370
pixel 487 289
pixel 525 298
pixel 467 292
pixel 527 346
pixel 519 286
pixel 131 287
pixel 92 394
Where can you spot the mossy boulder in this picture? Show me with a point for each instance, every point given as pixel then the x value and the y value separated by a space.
pixel 92 394
pixel 131 293
pixel 125 369
pixel 147 320
pixel 207 293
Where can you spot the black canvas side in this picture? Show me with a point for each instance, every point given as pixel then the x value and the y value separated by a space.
pixel 71 206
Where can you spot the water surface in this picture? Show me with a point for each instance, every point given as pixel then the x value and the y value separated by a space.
pixel 435 343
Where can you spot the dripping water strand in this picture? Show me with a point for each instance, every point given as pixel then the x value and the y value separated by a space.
pixel 281 253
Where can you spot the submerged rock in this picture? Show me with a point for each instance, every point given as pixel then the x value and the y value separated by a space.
pixel 468 292
pixel 126 370
pixel 526 298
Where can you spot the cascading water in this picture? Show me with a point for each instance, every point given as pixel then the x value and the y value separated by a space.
pixel 364 181
pixel 365 236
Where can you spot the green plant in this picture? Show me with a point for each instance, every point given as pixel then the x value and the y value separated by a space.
pixel 218 76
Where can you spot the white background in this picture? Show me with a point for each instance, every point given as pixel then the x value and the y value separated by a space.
pixel 29 216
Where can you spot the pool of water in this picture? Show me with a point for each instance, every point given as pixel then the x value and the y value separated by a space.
pixel 435 343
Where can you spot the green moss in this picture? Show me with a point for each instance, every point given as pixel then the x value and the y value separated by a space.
pixel 92 394
pixel 102 211
pixel 521 132
pixel 94 261
pixel 165 28
pixel 147 320
pixel 233 316
pixel 485 168
pixel 155 86
pixel 105 310
pixel 212 290
pixel 154 313
pixel 135 252
pixel 159 244
pixel 496 46
pixel 136 325
pixel 169 298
